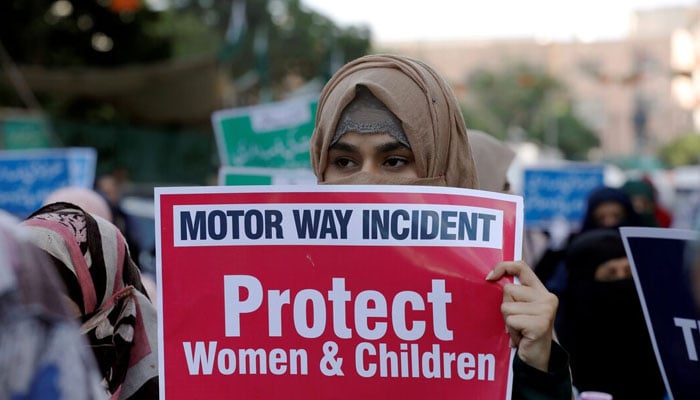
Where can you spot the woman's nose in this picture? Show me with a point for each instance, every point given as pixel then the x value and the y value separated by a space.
pixel 624 271
pixel 369 167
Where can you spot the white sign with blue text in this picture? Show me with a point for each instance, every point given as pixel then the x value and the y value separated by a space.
pixel 28 176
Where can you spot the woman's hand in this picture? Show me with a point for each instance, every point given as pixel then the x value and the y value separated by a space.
pixel 529 310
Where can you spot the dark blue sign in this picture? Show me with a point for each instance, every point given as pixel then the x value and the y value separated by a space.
pixel 661 272
pixel 28 176
pixel 559 193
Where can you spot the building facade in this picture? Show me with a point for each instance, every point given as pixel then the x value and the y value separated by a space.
pixel 622 88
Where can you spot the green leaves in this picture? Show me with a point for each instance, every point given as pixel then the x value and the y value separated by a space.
pixel 685 150
pixel 523 98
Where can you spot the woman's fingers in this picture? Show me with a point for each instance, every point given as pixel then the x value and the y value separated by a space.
pixel 519 269
pixel 526 295
pixel 528 309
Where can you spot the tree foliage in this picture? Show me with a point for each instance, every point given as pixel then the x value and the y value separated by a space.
pixel 63 33
pixel 523 100
pixel 683 151
pixel 280 39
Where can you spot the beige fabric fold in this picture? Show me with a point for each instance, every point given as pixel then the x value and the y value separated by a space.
pixel 492 158
pixel 420 98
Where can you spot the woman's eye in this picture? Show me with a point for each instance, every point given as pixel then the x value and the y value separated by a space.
pixel 396 162
pixel 343 162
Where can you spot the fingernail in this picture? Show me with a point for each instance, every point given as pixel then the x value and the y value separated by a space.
pixel 489 275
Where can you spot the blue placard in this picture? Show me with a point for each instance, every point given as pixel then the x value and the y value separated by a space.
pixel 660 268
pixel 28 176
pixel 559 192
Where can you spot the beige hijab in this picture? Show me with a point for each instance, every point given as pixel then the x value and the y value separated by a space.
pixel 492 158
pixel 420 99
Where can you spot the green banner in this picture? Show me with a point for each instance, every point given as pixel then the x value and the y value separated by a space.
pixel 273 135
pixel 229 176
pixel 25 132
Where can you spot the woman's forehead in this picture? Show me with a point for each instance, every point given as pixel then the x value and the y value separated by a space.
pixel 367 114
pixel 369 140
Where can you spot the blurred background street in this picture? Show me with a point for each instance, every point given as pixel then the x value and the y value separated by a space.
pixel 614 84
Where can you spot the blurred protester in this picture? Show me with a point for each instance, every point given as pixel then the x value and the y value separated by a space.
pixel 492 159
pixel 106 293
pixel 385 119
pixel 609 208
pixel 42 354
pixel 644 199
pixel 94 203
pixel 606 207
pixel 692 267
pixel 111 187
pixel 663 216
pixel 602 324
pixel 686 211
pixel 88 199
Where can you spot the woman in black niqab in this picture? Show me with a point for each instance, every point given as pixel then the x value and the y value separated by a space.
pixel 602 323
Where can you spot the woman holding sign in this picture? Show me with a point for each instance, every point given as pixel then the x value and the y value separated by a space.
pixel 386 119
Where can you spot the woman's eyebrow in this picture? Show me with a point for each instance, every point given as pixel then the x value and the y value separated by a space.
pixel 391 146
pixel 342 146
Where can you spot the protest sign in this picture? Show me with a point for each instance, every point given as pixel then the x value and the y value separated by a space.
pixel 265 176
pixel 273 135
pixel 559 192
pixel 660 269
pixel 343 292
pixel 28 176
pixel 24 130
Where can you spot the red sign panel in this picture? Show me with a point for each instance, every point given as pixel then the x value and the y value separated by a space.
pixel 333 292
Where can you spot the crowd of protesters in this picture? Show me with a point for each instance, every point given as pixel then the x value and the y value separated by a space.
pixel 68 268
